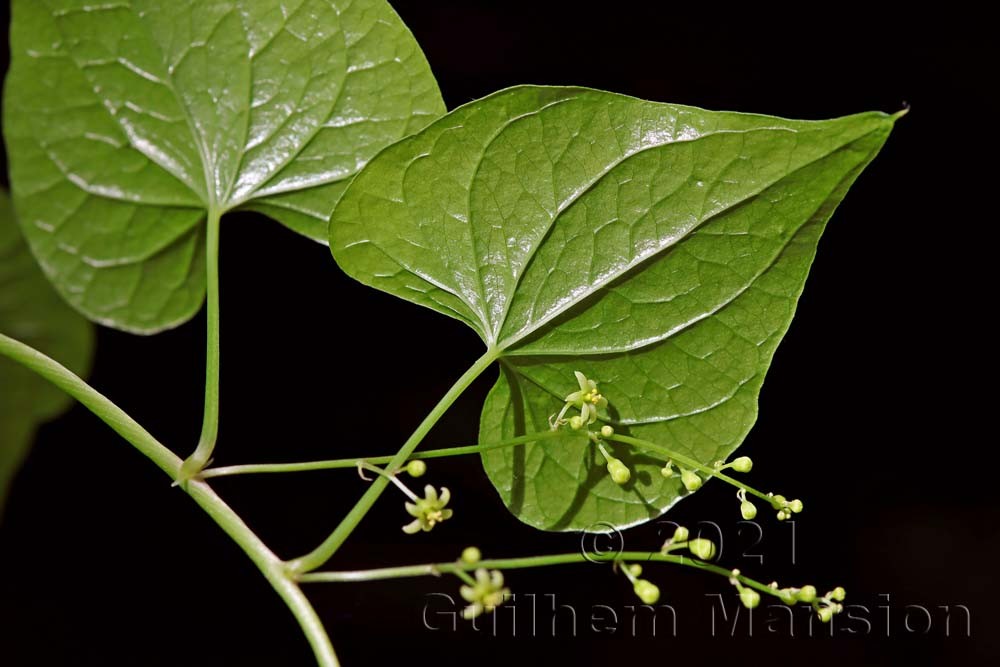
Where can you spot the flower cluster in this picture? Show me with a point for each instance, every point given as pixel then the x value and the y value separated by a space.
pixel 699 547
pixel 785 507
pixel 826 607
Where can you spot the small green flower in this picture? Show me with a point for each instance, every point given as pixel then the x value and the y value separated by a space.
pixel 829 604
pixel 749 597
pixel 588 399
pixel 742 464
pixel 416 468
pixel 827 612
pixel 429 510
pixel 690 480
pixel 784 506
pixel 702 548
pixel 788 596
pixel 487 594
pixel 620 474
pixel 806 594
pixel 588 393
pixel 747 509
pixel 647 591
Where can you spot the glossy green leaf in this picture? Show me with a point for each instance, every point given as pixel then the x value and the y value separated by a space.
pixel 33 313
pixel 127 120
pixel 659 249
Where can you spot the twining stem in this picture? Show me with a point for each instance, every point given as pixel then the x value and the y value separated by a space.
pixel 269 564
pixel 318 556
pixel 436 569
pixel 689 462
pixel 332 464
pixel 210 422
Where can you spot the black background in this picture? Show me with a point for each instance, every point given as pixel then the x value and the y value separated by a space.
pixel 874 411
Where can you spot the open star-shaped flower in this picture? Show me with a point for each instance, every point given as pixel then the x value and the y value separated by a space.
pixel 428 511
pixel 487 594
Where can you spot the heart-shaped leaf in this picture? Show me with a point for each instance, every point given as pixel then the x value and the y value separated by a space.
pixel 127 121
pixel 659 249
pixel 33 313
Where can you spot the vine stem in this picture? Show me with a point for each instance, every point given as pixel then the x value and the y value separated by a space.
pixel 272 567
pixel 437 569
pixel 210 422
pixel 333 464
pixel 321 554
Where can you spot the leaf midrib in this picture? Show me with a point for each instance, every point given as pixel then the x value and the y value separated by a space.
pixel 527 331
pixel 681 327
pixel 209 199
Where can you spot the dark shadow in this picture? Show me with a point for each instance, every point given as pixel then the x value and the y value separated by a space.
pixel 517 467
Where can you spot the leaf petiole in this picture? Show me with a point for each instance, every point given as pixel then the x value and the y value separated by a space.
pixel 318 556
pixel 210 422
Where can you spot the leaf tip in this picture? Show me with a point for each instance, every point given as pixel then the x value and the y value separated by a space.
pixel 902 112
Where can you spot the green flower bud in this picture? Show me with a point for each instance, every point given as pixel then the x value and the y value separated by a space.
pixel 607 431
pixel 787 595
pixel 806 594
pixel 778 502
pixel 471 555
pixel 635 569
pixel 838 593
pixel 576 422
pixel 782 515
pixel 620 474
pixel 748 510
pixel 702 548
pixel 647 591
pixel 667 470
pixel 681 534
pixel 750 598
pixel 690 480
pixel 742 464
pixel 416 468
pixel 825 614
pixel 795 506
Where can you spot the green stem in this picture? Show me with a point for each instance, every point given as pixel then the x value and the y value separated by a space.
pixel 210 422
pixel 689 462
pixel 364 465
pixel 464 576
pixel 332 464
pixel 318 556
pixel 454 567
pixel 269 564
